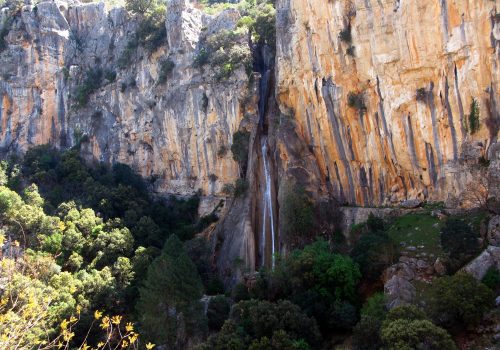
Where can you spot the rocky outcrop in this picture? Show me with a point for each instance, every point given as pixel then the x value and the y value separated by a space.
pixel 380 92
pixel 489 258
pixel 494 231
pixel 173 132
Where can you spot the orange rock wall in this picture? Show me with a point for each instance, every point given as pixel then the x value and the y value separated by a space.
pixel 401 147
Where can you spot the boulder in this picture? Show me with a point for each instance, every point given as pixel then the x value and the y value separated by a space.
pixel 399 291
pixel 494 231
pixel 411 203
pixel 478 267
pixel 439 267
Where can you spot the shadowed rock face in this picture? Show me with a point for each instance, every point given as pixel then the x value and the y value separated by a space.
pixel 401 146
pixel 172 131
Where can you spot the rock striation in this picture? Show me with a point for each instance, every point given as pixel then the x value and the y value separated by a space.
pixel 173 132
pixel 381 93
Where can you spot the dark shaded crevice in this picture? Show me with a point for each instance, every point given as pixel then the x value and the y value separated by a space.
pixel 460 104
pixel 435 133
pixel 450 119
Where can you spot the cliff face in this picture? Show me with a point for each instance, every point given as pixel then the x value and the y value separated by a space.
pixel 367 101
pixel 173 131
pixel 412 69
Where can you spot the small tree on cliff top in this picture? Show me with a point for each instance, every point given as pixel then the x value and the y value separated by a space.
pixel 140 7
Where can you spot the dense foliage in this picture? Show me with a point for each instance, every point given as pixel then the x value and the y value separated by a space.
pixel 459 240
pixel 61 258
pixel 257 324
pixel 374 251
pixel 170 297
pixel 455 302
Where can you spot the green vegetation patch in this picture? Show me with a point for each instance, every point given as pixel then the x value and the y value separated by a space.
pixel 417 233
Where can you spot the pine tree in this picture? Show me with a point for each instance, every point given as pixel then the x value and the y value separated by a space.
pixel 169 303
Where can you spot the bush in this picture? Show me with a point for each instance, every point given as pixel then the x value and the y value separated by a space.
pixel 374 251
pixel 357 101
pixel 240 187
pixel 239 148
pixel 92 82
pixel 374 307
pixel 344 316
pixel 240 292
pixel 366 334
pixel 345 35
pixel 166 67
pixel 255 321
pixel 421 94
pixel 415 334
pixel 225 51
pixel 320 282
pixel 296 213
pixel 405 312
pixel 474 117
pixel 228 189
pixel 492 279
pixel 4 31
pixel 456 302
pixel 459 240
pixel 217 312
pixel 110 75
pixel 140 6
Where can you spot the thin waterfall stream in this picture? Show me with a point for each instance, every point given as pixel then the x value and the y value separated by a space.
pixel 267 234
pixel 267 208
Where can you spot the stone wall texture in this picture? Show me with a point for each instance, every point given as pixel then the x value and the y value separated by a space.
pixel 404 144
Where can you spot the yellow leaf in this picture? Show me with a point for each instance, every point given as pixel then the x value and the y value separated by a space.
pixel 129 327
pixel 124 344
pixel 133 338
pixel 116 319
pixel 149 346
pixel 97 314
pixel 105 322
pixel 100 345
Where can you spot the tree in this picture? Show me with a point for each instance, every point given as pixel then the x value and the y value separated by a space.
pixel 459 239
pixel 170 298
pixel 366 334
pixel 296 213
pixel 255 324
pixel 239 148
pixel 320 282
pixel 217 312
pixel 403 334
pixel 405 312
pixel 375 307
pixel 457 301
pixel 474 117
pixel 140 7
pixel 374 252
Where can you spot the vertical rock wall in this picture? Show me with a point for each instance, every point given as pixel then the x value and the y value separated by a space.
pixel 400 146
pixel 173 132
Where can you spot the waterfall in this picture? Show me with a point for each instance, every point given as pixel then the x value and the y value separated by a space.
pixel 264 65
pixel 267 208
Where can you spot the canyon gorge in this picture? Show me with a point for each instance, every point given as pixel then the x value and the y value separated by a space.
pixel 364 103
